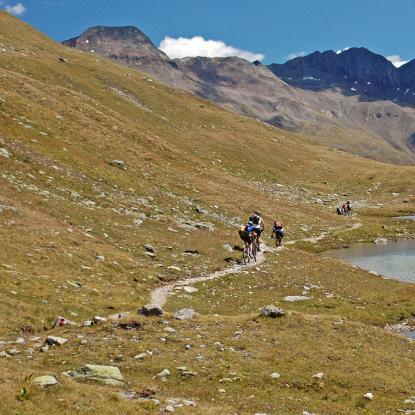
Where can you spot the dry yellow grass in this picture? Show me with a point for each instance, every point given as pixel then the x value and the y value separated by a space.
pixel 67 216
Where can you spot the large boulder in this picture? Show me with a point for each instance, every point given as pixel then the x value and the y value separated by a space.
pixel 110 375
pixel 272 311
pixel 151 310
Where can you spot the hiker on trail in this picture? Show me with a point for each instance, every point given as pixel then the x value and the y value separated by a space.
pixel 278 231
pixel 259 226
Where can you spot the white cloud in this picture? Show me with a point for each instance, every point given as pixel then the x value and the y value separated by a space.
pixel 342 50
pixel 295 55
pixel 198 46
pixel 18 9
pixel 396 60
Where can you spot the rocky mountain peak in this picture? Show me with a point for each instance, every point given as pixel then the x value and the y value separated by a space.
pixel 124 43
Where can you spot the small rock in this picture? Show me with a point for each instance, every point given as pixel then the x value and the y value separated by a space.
pixel 137 222
pixel 169 330
pixel 184 314
pixel 275 375
pixel 201 211
pixel 318 376
pixel 164 373
pixel 141 356
pixel 227 248
pixel 151 310
pixel 150 248
pixel 45 381
pixel 369 396
pixel 295 298
pixel 75 284
pixel 60 322
pixel 55 341
pixel 272 311
pixel 98 320
pixel 380 241
pixel 118 316
pixel 201 225
pixel 118 163
pixel 169 408
pixel 5 153
pixel 190 290
pixel 4 354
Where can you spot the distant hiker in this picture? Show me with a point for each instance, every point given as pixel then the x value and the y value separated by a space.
pixel 278 231
pixel 347 208
pixel 259 226
pixel 340 210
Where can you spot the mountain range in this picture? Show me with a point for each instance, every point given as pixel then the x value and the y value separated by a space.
pixel 356 100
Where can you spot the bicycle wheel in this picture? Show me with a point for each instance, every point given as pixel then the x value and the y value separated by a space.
pixel 246 254
pixel 254 249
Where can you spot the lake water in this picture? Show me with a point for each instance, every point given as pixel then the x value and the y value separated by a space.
pixel 394 259
pixel 409 217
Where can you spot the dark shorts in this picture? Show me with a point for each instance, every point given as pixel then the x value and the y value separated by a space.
pixel 258 231
pixel 246 237
pixel 279 234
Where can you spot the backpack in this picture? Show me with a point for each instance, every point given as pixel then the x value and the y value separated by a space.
pixel 255 219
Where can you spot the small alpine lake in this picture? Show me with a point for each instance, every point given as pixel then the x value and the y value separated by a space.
pixel 408 217
pixel 393 259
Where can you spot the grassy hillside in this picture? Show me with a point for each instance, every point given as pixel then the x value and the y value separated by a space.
pixel 96 161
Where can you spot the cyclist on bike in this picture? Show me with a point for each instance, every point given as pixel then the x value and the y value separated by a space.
pixel 259 226
pixel 247 232
pixel 278 230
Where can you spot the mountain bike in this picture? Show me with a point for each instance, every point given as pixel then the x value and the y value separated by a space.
pixel 246 253
pixel 254 248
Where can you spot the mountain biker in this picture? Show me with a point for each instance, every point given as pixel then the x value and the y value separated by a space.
pixel 278 230
pixel 246 233
pixel 259 226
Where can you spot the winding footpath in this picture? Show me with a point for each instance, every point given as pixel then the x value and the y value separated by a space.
pixel 159 295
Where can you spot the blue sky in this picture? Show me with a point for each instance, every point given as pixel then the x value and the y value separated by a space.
pixel 274 28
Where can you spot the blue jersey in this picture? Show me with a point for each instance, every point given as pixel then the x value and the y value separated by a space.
pixel 249 228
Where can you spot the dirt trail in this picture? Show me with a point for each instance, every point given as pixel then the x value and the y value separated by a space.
pixel 159 295
pixel 315 239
